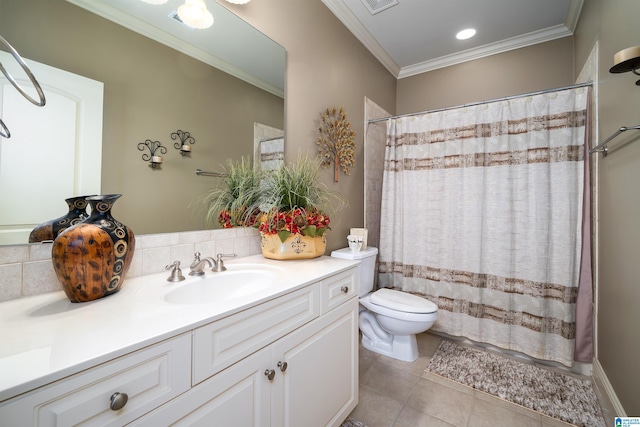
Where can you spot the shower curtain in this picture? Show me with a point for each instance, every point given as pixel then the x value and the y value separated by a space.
pixel 482 211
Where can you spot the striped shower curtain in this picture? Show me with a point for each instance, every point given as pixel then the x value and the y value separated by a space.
pixel 482 214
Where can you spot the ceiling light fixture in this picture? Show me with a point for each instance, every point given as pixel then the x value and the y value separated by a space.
pixel 195 14
pixel 238 1
pixel 466 34
pixel 155 1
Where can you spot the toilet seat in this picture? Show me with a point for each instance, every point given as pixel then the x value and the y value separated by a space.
pixel 402 301
pixel 365 301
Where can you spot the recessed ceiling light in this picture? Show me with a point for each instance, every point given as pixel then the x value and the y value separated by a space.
pixel 466 34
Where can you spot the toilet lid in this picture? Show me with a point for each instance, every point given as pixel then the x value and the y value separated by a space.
pixel 402 301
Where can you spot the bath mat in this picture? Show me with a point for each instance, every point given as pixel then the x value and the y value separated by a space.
pixel 350 422
pixel 551 393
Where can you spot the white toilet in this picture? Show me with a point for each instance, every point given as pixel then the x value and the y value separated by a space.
pixel 389 319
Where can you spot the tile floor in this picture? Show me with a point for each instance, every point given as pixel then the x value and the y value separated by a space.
pixel 400 394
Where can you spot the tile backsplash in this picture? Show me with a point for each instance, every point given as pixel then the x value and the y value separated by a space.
pixel 26 270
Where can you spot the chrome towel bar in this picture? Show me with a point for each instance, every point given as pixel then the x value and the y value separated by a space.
pixel 204 173
pixel 602 147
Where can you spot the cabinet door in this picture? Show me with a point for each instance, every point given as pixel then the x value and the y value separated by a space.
pixel 237 396
pixel 319 386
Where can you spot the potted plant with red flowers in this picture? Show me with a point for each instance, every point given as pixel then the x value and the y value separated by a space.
pixel 295 208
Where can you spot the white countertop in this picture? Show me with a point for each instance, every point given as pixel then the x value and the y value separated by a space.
pixel 46 337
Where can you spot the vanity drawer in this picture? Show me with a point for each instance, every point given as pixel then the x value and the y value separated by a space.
pixel 150 377
pixel 224 342
pixel 339 288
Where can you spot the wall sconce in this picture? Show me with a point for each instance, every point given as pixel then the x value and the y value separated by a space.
pixel 186 141
pixel 153 146
pixel 627 60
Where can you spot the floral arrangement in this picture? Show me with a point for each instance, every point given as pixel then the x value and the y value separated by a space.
pixel 294 202
pixel 287 201
pixel 230 202
pixel 228 219
pixel 295 221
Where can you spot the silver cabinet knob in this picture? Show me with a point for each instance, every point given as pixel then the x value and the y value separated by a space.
pixel 118 400
pixel 345 289
pixel 283 366
pixel 270 373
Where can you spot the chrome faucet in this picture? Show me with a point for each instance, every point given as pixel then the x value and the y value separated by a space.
pixel 197 266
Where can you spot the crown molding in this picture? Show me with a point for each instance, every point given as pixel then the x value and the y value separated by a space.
pixel 513 43
pixel 349 20
pixel 573 14
pixel 154 33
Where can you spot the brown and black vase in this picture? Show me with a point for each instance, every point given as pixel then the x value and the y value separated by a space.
pixel 92 257
pixel 50 229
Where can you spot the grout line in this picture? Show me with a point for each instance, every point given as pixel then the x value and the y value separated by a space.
pixel 404 404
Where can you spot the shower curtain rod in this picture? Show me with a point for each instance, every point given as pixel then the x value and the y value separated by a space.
pixel 473 104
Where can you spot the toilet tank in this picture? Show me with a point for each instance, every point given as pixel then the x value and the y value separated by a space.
pixel 366 268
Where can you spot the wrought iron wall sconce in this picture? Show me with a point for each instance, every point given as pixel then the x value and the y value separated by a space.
pixel 185 142
pixel 627 60
pixel 154 147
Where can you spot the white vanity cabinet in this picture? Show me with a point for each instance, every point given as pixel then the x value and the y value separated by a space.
pixel 290 360
pixel 306 377
pixel 149 377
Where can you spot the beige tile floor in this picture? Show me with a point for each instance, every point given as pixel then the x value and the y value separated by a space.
pixel 401 394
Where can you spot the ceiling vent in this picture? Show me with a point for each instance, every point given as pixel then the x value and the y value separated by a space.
pixel 174 15
pixel 375 6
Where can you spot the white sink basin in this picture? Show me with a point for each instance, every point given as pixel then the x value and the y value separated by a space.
pixel 236 282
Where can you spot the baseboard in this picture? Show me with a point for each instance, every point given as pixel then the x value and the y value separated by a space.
pixel 605 388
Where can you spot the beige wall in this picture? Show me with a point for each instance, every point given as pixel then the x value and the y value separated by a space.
pixel 150 92
pixel 539 67
pixel 614 24
pixel 326 66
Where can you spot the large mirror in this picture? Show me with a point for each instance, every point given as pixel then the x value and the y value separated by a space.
pixel 156 83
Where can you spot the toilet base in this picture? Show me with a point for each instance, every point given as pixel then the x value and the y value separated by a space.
pixel 401 347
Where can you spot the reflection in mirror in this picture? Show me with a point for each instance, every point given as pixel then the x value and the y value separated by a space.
pixel 268 147
pixel 150 91
pixel 60 146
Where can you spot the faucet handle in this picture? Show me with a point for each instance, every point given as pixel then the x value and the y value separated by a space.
pixel 219 264
pixel 196 257
pixel 176 273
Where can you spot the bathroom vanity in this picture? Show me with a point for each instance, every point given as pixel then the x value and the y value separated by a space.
pixel 283 353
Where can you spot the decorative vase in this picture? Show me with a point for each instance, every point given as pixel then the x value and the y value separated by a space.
pixel 295 246
pixel 92 257
pixel 49 230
